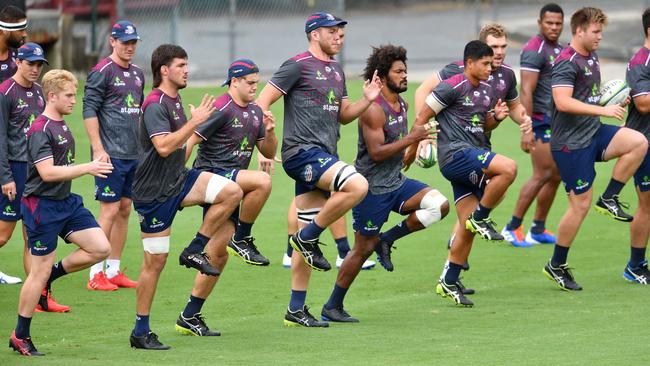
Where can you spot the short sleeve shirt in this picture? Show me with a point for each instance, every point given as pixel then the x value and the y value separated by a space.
pixel 229 135
pixel 313 90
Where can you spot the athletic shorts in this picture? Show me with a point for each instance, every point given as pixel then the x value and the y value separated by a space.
pixel 542 129
pixel 118 184
pixel 157 216
pixel 465 172
pixel 46 219
pixel 306 168
pixel 229 174
pixel 11 210
pixel 577 167
pixel 370 214
pixel 642 175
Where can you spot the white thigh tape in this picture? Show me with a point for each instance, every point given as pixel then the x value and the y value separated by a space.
pixel 215 185
pixel 159 245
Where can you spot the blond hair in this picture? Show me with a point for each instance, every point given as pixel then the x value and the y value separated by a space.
pixel 56 81
pixel 585 16
pixel 495 30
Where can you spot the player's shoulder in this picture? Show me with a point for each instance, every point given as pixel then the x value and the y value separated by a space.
pixel 535 44
pixel 640 58
pixel 455 81
pixel 301 58
pixel 222 102
pixel 568 54
pixel 508 70
pixel 137 68
pixel 39 124
pixel 6 86
pixel 103 65
pixel 155 97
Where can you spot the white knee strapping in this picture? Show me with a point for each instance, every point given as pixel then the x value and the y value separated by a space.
pixel 307 215
pixel 430 208
pixel 342 176
pixel 215 185
pixel 159 245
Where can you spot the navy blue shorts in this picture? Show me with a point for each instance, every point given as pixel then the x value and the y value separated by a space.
pixel 371 213
pixel 229 174
pixel 306 168
pixel 542 129
pixel 465 172
pixel 156 216
pixel 47 219
pixel 118 184
pixel 577 167
pixel 642 175
pixel 11 210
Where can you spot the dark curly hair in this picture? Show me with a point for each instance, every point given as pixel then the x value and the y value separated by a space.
pixel 382 58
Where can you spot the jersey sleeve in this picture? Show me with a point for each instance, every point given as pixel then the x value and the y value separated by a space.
pixel 531 60
pixel 564 75
pixel 512 93
pixel 39 147
pixel 449 71
pixel 216 121
pixel 5 111
pixel 638 79
pixel 93 94
pixel 287 76
pixel 444 94
pixel 261 132
pixel 156 120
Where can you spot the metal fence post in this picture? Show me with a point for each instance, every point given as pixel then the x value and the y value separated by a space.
pixel 174 25
pixel 232 34
pixel 340 9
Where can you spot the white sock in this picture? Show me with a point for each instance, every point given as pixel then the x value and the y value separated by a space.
pixel 96 268
pixel 112 267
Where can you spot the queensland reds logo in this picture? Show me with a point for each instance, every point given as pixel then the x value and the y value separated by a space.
pixel 308 173
pixel 337 76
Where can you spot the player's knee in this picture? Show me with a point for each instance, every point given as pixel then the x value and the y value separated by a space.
pixel 109 210
pixel 265 182
pixel 230 195
pixel 102 250
pixel 510 170
pixel 125 209
pixel 358 187
pixel 433 207
pixel 581 205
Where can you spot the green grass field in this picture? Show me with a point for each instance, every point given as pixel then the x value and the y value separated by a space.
pixel 520 317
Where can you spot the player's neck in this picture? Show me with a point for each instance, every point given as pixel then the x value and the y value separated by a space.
pixel 22 81
pixel 119 61
pixel 474 80
pixel 647 43
pixel 168 89
pixel 390 97
pixel 52 113
pixel 317 52
pixel 579 48
pixel 240 102
pixel 4 51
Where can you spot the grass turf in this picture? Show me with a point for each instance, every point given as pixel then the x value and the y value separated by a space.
pixel 520 317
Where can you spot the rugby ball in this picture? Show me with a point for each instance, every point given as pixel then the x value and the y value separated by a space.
pixel 427 156
pixel 613 92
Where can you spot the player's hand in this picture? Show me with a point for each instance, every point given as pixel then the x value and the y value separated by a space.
pixel 372 88
pixel 526 125
pixel 527 142
pixel 266 165
pixel 269 121
pixel 614 111
pixel 9 190
pixel 426 131
pixel 99 168
pixel 409 156
pixel 626 102
pixel 501 110
pixel 100 153
pixel 201 113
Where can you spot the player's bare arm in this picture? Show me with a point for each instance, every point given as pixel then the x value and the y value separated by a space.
pixel 566 103
pixel 351 111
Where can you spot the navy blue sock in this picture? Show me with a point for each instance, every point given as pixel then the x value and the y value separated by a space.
pixel 613 188
pixel 243 230
pixel 559 255
pixel 57 271
pixel 336 298
pixel 514 223
pixel 297 301
pixel 342 246
pixel 289 247
pixel 396 232
pixel 22 327
pixel 311 231
pixel 481 212
pixel 193 307
pixel 452 273
pixel 637 255
pixel 141 325
pixel 538 227
pixel 198 243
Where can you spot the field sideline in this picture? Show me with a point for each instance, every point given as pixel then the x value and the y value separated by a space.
pixel 520 317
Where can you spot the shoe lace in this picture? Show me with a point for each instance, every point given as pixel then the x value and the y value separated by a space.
pixel 201 319
pixel 622 204
pixel 568 271
pixel 250 241
pixel 490 223
pixel 308 314
pixel 152 337
pixel 316 247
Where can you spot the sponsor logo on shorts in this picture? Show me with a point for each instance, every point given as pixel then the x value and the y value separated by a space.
pixel 38 246
pixel 9 211
pixel 582 184
pixel 308 173
pixel 646 181
pixel 324 161
pixel 230 174
pixel 547 134
pixel 483 157
pixel 370 226
pixel 156 223
pixel 108 192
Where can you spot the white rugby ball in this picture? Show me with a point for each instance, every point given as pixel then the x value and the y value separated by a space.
pixel 427 156
pixel 613 92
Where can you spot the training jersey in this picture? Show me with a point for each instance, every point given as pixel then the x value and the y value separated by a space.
pixel 48 139
pixel 8 66
pixel 229 135
pixel 582 73
pixel 502 79
pixel 313 90
pixel 462 121
pixel 114 94
pixel 539 55
pixel 638 79
pixel 19 107
pixel 158 178
pixel 384 176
